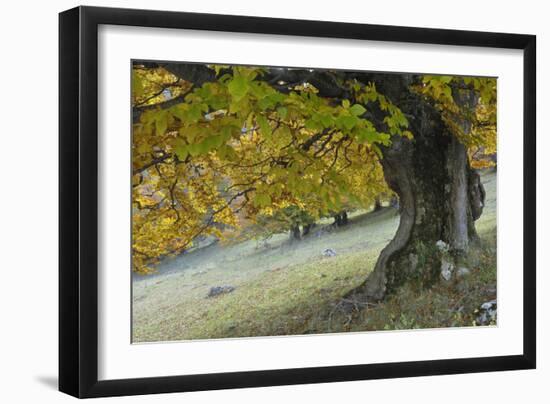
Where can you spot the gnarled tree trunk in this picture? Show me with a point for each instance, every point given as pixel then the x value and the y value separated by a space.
pixel 440 197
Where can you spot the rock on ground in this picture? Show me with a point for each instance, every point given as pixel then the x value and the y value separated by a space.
pixel 329 252
pixel 487 313
pixel 220 290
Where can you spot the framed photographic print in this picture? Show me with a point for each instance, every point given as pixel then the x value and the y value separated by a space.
pixel 251 201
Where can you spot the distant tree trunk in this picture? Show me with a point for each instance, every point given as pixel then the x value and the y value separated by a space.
pixel 344 218
pixel 440 197
pixel 295 233
pixel 341 219
pixel 307 229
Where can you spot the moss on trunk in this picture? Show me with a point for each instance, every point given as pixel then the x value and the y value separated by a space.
pixel 439 197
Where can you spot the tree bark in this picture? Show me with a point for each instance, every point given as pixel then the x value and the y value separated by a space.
pixel 307 229
pixel 440 197
pixel 341 219
pixel 295 233
pixel 344 218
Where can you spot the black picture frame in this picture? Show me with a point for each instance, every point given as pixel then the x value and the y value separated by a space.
pixel 78 196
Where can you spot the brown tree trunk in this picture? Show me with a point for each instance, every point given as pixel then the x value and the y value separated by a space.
pixel 440 197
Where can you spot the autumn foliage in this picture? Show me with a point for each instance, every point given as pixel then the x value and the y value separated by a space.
pixel 211 159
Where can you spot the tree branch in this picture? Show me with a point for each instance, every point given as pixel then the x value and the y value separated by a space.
pixel 152 163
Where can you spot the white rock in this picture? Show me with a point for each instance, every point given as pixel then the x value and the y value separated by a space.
pixel 329 252
pixel 487 313
pixel 488 305
pixel 462 271
pixel 446 270
pixel 441 245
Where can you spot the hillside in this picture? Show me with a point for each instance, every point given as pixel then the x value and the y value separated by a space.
pixel 173 304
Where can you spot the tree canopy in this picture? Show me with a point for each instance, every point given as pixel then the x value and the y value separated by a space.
pixel 216 147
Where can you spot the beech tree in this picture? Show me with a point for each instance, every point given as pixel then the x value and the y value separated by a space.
pixel 213 145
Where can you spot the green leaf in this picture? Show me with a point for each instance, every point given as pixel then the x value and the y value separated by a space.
pixel 312 125
pixel 282 112
pixel 181 151
pixel 266 103
pixel 206 145
pixel 384 138
pixel 265 129
pixel 180 111
pixel 190 133
pixel 161 122
pixel 194 113
pixel 357 110
pixel 211 142
pixel 262 200
pixel 402 120
pixel 283 132
pixel 226 133
pixel 238 87
pixel 137 85
pixel 226 152
pixel 327 120
pixel 194 149
pixel 370 95
pixel 447 91
pixel 367 135
pixel 377 150
pixel 348 121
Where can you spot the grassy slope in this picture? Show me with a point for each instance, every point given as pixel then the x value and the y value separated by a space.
pixel 289 288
